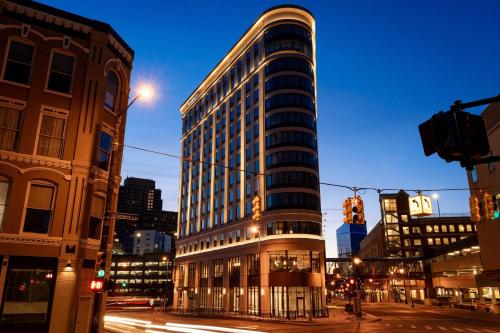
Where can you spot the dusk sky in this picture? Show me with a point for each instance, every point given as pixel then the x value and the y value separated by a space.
pixel 383 67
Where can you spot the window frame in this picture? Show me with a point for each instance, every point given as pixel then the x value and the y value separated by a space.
pixel 17 105
pixel 6 57
pixel 108 131
pixel 52 208
pixel 56 113
pixel 49 70
pixel 116 97
pixel 8 181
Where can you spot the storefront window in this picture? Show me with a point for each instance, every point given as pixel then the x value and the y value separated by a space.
pixel 27 295
pixel 294 261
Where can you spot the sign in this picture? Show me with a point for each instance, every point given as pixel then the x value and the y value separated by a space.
pixel 420 205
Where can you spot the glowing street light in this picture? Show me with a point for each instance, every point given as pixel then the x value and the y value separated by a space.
pixel 357 261
pixel 435 196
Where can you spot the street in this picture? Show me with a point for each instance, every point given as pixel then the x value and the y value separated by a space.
pixel 379 318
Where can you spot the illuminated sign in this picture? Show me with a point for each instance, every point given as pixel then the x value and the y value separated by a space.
pixel 420 205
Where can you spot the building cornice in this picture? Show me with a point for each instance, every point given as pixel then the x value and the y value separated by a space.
pixel 22 239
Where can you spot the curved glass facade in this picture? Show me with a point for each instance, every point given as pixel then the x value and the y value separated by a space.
pixel 290 100
pixel 290 138
pixel 292 179
pixel 295 119
pixel 285 64
pixel 288 37
pixel 291 158
pixel 292 200
pixel 293 227
pixel 289 81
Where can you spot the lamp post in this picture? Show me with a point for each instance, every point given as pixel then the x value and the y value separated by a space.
pixel 402 272
pixel 435 196
pixel 357 264
pixel 145 92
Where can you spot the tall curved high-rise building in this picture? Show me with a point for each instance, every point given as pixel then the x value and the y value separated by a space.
pixel 249 129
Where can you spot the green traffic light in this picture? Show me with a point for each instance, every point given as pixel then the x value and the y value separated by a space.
pixel 124 284
pixel 100 273
pixel 496 214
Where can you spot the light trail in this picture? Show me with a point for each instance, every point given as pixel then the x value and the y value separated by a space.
pixel 212 328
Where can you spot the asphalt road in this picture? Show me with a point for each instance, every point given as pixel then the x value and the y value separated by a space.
pixel 381 318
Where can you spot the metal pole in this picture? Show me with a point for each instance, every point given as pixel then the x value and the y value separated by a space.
pixel 439 209
pixel 109 215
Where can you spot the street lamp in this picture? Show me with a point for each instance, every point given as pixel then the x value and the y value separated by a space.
pixel 144 92
pixel 356 261
pixel 255 230
pixel 435 196
pixel 402 272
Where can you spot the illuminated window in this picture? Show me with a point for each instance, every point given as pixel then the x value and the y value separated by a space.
pixel 444 228
pixel 390 205
pixel 4 192
pixel 461 228
pixel 406 230
pixel 436 228
pixel 453 239
pixel 446 241
pixel 417 242
pixel 430 241
pixel 415 230
pixel 406 242
pixel 428 228
pixel 404 218
pixel 468 227
pixel 437 241
pixel 451 227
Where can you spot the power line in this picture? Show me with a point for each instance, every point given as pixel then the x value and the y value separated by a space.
pixel 379 190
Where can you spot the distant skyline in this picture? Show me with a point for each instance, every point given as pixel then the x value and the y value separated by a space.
pixel 383 67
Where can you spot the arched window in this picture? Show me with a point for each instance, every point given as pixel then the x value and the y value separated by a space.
pixel 111 91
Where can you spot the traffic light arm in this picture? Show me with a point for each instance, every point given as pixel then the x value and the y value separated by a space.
pixel 469 164
pixel 459 106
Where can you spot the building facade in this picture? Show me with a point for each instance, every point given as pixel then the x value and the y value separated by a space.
pixel 150 241
pixel 349 237
pixel 138 195
pixel 250 129
pixel 62 80
pixel 148 275
pixel 403 235
pixel 486 178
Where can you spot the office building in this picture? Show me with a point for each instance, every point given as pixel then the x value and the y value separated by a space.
pixel 63 80
pixel 253 115
pixel 349 237
pixel 148 275
pixel 401 235
pixel 151 241
pixel 138 195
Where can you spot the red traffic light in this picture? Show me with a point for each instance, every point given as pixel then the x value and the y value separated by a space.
pixel 97 285
pixel 351 281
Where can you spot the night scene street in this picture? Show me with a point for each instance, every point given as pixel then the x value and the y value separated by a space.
pixel 252 166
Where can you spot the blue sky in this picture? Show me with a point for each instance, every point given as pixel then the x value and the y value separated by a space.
pixel 383 67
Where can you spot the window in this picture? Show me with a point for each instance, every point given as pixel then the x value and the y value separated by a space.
pixel 468 227
pixel 417 242
pixel 104 153
pixel 28 292
pixel 461 228
pixel 96 217
pixel 51 138
pixel 428 228
pixel 430 241
pixel 452 228
pixel 390 205
pixel 39 209
pixel 444 228
pixel 61 73
pixel 10 121
pixel 19 59
pixel 4 192
pixel 406 230
pixel 111 91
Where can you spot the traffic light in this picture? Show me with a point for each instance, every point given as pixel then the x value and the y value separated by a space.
pixel 455 136
pixel 256 209
pixel 109 284
pixel 347 211
pixel 101 265
pixel 358 210
pixel 475 212
pixel 489 207
pixel 97 285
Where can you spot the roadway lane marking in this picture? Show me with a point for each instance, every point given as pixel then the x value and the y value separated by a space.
pixel 442 328
pixel 458 329
pixel 413 326
pixel 428 327
pixel 472 330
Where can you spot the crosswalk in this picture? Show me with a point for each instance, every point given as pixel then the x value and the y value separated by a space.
pixel 440 328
